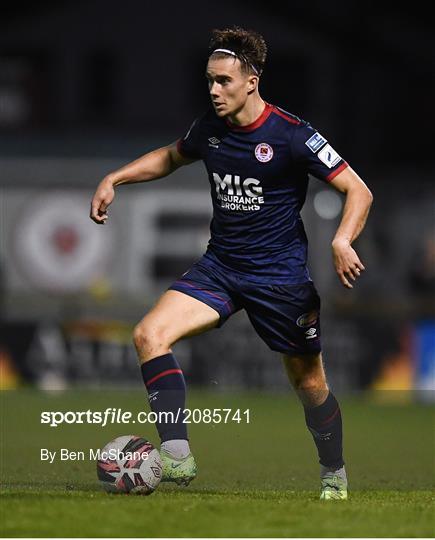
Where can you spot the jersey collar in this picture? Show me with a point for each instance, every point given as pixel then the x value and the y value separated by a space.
pixel 254 125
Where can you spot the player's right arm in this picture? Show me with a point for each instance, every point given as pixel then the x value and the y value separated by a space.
pixel 151 166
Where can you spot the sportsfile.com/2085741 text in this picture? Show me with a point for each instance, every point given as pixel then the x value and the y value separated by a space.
pixel 113 415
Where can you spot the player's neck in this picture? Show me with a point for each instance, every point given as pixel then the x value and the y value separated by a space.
pixel 252 110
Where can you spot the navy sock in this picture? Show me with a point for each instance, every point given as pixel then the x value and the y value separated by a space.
pixel 324 422
pixel 164 381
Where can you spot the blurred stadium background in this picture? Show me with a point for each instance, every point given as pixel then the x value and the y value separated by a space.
pixel 87 86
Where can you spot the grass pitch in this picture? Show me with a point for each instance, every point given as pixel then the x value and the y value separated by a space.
pixel 255 480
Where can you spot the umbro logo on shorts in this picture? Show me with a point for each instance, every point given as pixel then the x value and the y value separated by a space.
pixel 311 333
pixel 214 142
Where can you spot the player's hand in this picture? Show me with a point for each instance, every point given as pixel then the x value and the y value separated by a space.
pixel 346 261
pixel 103 197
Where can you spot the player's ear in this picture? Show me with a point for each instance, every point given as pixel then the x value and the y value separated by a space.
pixel 252 83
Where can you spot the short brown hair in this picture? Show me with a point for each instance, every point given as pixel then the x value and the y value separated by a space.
pixel 249 47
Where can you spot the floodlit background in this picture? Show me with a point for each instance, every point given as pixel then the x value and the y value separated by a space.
pixel 87 86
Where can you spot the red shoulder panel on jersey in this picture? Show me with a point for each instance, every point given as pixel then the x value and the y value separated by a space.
pixel 286 116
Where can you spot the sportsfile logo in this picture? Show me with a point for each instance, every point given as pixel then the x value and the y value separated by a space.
pixel 113 415
pixel 236 194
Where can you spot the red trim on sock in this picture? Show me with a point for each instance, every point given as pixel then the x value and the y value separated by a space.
pixel 333 415
pixel 163 374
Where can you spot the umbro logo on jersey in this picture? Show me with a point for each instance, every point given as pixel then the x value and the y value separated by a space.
pixel 213 141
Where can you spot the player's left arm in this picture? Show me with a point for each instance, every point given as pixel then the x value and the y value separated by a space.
pixel 355 212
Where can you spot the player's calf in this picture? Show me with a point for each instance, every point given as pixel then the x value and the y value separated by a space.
pixel 323 419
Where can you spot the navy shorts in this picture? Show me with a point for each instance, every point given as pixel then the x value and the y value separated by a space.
pixel 286 317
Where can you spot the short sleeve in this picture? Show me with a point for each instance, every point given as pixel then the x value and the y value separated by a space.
pixel 312 151
pixel 189 145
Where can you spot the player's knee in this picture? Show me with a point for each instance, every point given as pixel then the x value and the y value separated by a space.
pixel 310 378
pixel 312 391
pixel 310 384
pixel 306 372
pixel 150 340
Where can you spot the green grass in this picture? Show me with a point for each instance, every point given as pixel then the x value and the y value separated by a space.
pixel 257 479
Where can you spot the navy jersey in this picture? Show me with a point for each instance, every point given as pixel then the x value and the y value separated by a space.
pixel 259 177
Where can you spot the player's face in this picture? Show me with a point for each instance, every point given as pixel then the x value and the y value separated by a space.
pixel 229 87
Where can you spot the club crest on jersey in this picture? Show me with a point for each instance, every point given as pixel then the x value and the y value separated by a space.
pixel 263 152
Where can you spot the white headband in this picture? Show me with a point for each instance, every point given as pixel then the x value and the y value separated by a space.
pixel 232 53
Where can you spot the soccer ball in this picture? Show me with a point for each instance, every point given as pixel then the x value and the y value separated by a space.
pixel 129 464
